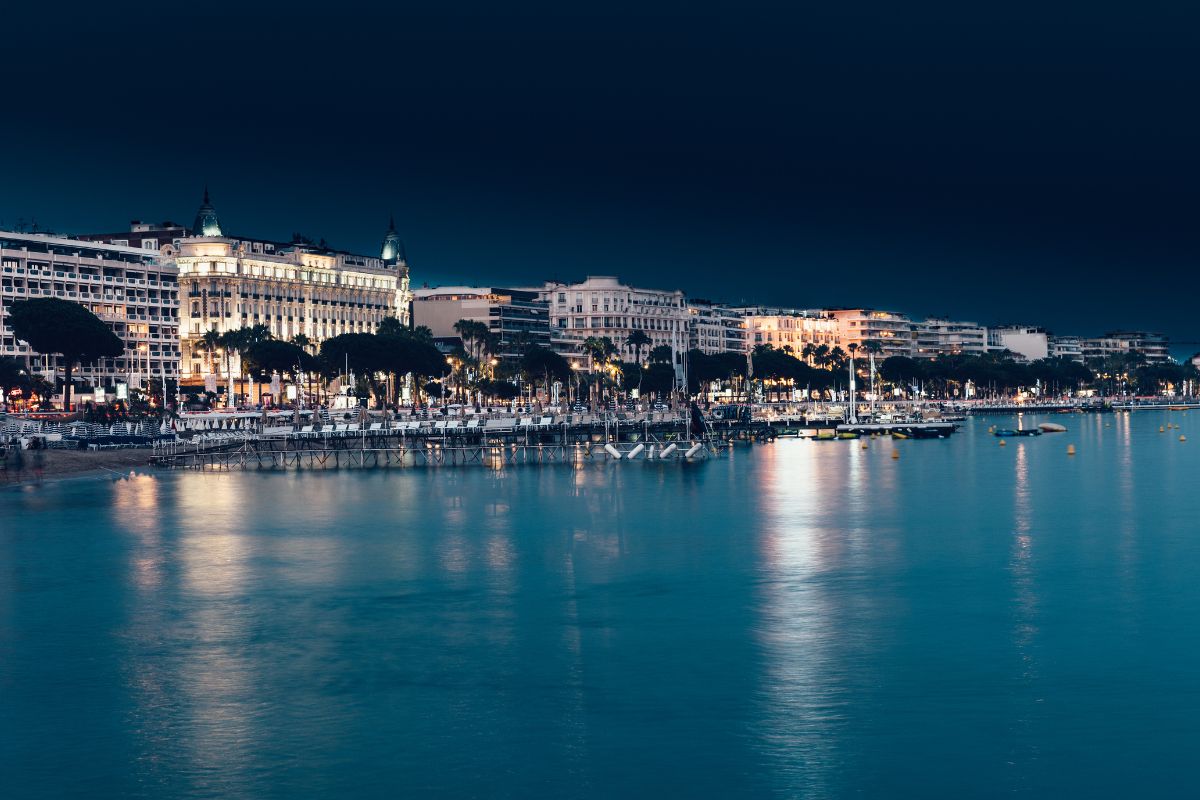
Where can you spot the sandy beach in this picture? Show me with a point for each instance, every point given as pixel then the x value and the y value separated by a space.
pixel 67 463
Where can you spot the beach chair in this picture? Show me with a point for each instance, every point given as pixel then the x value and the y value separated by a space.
pixel 439 426
pixel 376 427
pixel 452 425
pixel 545 422
pixel 525 422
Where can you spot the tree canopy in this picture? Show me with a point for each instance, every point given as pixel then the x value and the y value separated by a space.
pixel 53 326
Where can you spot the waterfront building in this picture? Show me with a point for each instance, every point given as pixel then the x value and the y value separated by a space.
pixel 603 306
pixel 789 328
pixel 716 328
pixel 1026 342
pixel 516 317
pixel 1154 347
pixel 162 238
pixel 893 331
pixel 936 336
pixel 133 289
pixel 293 288
pixel 1066 347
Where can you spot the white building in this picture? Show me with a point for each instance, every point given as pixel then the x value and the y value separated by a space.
pixel 133 290
pixel 1154 347
pixel 1029 343
pixel 603 306
pixel 936 336
pixel 292 288
pixel 715 329
pixel 1066 347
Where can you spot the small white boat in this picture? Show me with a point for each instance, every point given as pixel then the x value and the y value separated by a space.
pixel 1052 427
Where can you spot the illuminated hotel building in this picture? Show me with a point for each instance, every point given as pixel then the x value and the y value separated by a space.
pixel 295 288
pixel 603 306
pixel 893 331
pixel 132 289
pixel 794 328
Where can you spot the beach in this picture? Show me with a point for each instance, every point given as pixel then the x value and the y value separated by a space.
pixel 68 463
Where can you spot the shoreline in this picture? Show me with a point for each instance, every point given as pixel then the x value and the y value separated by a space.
pixel 61 464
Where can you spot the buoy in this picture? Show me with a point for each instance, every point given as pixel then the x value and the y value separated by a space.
pixel 1070 449
pixel 1160 428
pixel 695 449
pixel 612 451
pixel 636 451
pixel 1182 438
pixel 895 453
pixel 1003 443
pixel 864 444
pixel 666 451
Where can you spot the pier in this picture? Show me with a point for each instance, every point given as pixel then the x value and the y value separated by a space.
pixel 493 443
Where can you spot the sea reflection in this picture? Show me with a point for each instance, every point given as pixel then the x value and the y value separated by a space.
pixel 801 703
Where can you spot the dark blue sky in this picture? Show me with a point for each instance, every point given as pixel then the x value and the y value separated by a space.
pixel 1024 162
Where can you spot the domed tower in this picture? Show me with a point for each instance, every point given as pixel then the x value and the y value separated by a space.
pixel 206 223
pixel 392 251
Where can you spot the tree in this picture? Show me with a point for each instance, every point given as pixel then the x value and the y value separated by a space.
pixel 242 341
pixel 663 354
pixel 637 340
pixel 391 326
pixel 208 344
pixel 546 363
pixel 53 326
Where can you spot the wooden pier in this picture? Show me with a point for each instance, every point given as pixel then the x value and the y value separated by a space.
pixel 383 450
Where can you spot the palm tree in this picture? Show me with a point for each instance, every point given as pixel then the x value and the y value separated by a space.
pixel 821 355
pixel 807 352
pixel 637 340
pixel 242 340
pixel 208 344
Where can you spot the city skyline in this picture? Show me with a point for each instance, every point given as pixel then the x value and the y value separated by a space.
pixel 1007 166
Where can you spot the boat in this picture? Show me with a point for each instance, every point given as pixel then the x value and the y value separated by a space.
pixel 1017 432
pixel 847 435
pixel 1052 427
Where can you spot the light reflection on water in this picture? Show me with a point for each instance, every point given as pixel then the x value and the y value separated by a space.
pixel 804 619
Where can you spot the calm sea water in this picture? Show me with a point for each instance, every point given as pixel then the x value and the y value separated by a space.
pixel 803 620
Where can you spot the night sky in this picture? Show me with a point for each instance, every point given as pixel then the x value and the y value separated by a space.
pixel 1001 162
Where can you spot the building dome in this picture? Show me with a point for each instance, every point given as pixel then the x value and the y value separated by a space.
pixel 206 223
pixel 393 249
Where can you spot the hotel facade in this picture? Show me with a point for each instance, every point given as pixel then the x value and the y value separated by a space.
pixel 603 306
pixel 295 288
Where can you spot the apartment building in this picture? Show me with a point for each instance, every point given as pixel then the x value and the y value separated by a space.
pixel 936 336
pixel 517 317
pixel 893 331
pixel 1154 347
pixel 714 328
pixel 132 289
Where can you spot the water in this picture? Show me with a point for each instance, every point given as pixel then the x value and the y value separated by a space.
pixel 804 620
